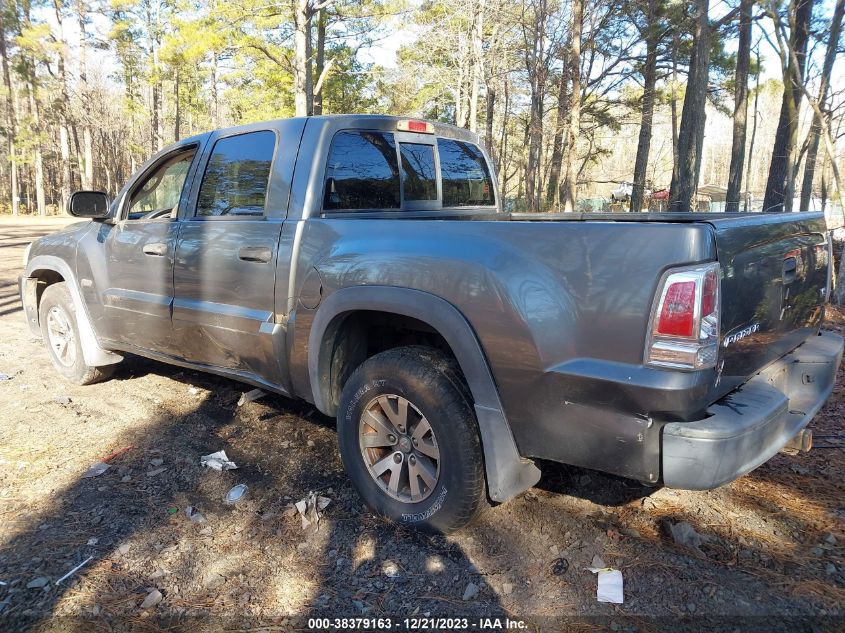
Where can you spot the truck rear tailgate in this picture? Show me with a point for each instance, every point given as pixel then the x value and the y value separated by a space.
pixel 774 287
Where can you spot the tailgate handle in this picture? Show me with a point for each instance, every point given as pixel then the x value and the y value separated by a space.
pixel 790 267
pixel 155 250
pixel 259 254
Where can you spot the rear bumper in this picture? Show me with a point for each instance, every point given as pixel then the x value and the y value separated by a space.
pixel 749 425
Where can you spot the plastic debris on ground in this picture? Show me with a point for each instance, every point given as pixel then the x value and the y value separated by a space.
pixel 152 599
pixel 74 570
pixel 218 461
pixel 235 494
pixel 38 583
pixel 96 470
pixel 194 515
pixel 609 587
pixel 251 396
pixel 684 534
pixel 4 377
pixel 310 508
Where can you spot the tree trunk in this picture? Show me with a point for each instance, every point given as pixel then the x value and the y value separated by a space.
pixel 685 179
pixel 743 58
pixel 82 15
pixel 477 59
pixel 11 121
pixel 537 77
pixel 570 176
pixel 649 82
pixel 753 132
pixel 320 61
pixel 553 186
pixel 674 104
pixel 64 139
pixel 489 113
pixel 86 165
pixel 781 167
pixel 177 132
pixel 460 110
pixel 503 143
pixel 32 97
pixel 38 157
pixel 302 97
pixel 157 140
pixel 88 159
pixel 215 98
pixel 824 85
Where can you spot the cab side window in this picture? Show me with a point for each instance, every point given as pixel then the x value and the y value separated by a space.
pixel 465 175
pixel 236 178
pixel 362 172
pixel 157 196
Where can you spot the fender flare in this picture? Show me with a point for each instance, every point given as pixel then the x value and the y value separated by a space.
pixel 508 473
pixel 93 354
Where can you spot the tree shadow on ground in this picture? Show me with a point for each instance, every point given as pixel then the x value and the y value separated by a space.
pixel 248 562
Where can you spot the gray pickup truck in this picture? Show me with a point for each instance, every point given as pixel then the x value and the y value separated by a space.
pixel 363 263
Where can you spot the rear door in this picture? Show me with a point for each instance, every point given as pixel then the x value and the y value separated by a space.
pixel 224 273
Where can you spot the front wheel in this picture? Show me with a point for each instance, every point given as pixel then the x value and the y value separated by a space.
pixel 409 439
pixel 59 329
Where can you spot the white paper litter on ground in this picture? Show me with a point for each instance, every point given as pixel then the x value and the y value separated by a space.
pixel 609 586
pixel 217 461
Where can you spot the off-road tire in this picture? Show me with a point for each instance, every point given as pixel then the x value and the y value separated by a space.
pixel 433 384
pixel 57 297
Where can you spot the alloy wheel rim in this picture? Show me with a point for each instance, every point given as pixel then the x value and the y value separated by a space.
pixel 399 448
pixel 61 336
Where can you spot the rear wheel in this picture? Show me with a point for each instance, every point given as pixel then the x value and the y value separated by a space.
pixel 409 439
pixel 59 329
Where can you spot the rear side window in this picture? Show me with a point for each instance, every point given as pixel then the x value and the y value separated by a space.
pixel 362 172
pixel 235 180
pixel 465 175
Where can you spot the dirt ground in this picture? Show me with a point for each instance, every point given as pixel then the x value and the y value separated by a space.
pixel 770 555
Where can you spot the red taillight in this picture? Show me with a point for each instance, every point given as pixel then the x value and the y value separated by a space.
pixel 677 315
pixel 685 321
pixel 709 293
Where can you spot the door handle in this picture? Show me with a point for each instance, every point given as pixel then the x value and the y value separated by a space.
pixel 259 254
pixel 155 249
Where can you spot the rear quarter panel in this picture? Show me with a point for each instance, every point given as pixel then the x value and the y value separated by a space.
pixel 540 297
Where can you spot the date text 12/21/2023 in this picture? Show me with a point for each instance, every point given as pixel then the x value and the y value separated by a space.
pixel 416 624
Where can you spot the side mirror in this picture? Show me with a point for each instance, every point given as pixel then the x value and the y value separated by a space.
pixel 89 204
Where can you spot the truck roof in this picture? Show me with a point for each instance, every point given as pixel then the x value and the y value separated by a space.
pixel 379 121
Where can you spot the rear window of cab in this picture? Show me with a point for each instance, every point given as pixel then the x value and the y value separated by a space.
pixel 375 171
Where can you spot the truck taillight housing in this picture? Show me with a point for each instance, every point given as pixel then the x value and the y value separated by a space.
pixel 684 330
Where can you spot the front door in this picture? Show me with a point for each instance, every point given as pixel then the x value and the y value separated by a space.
pixel 140 251
pixel 223 311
